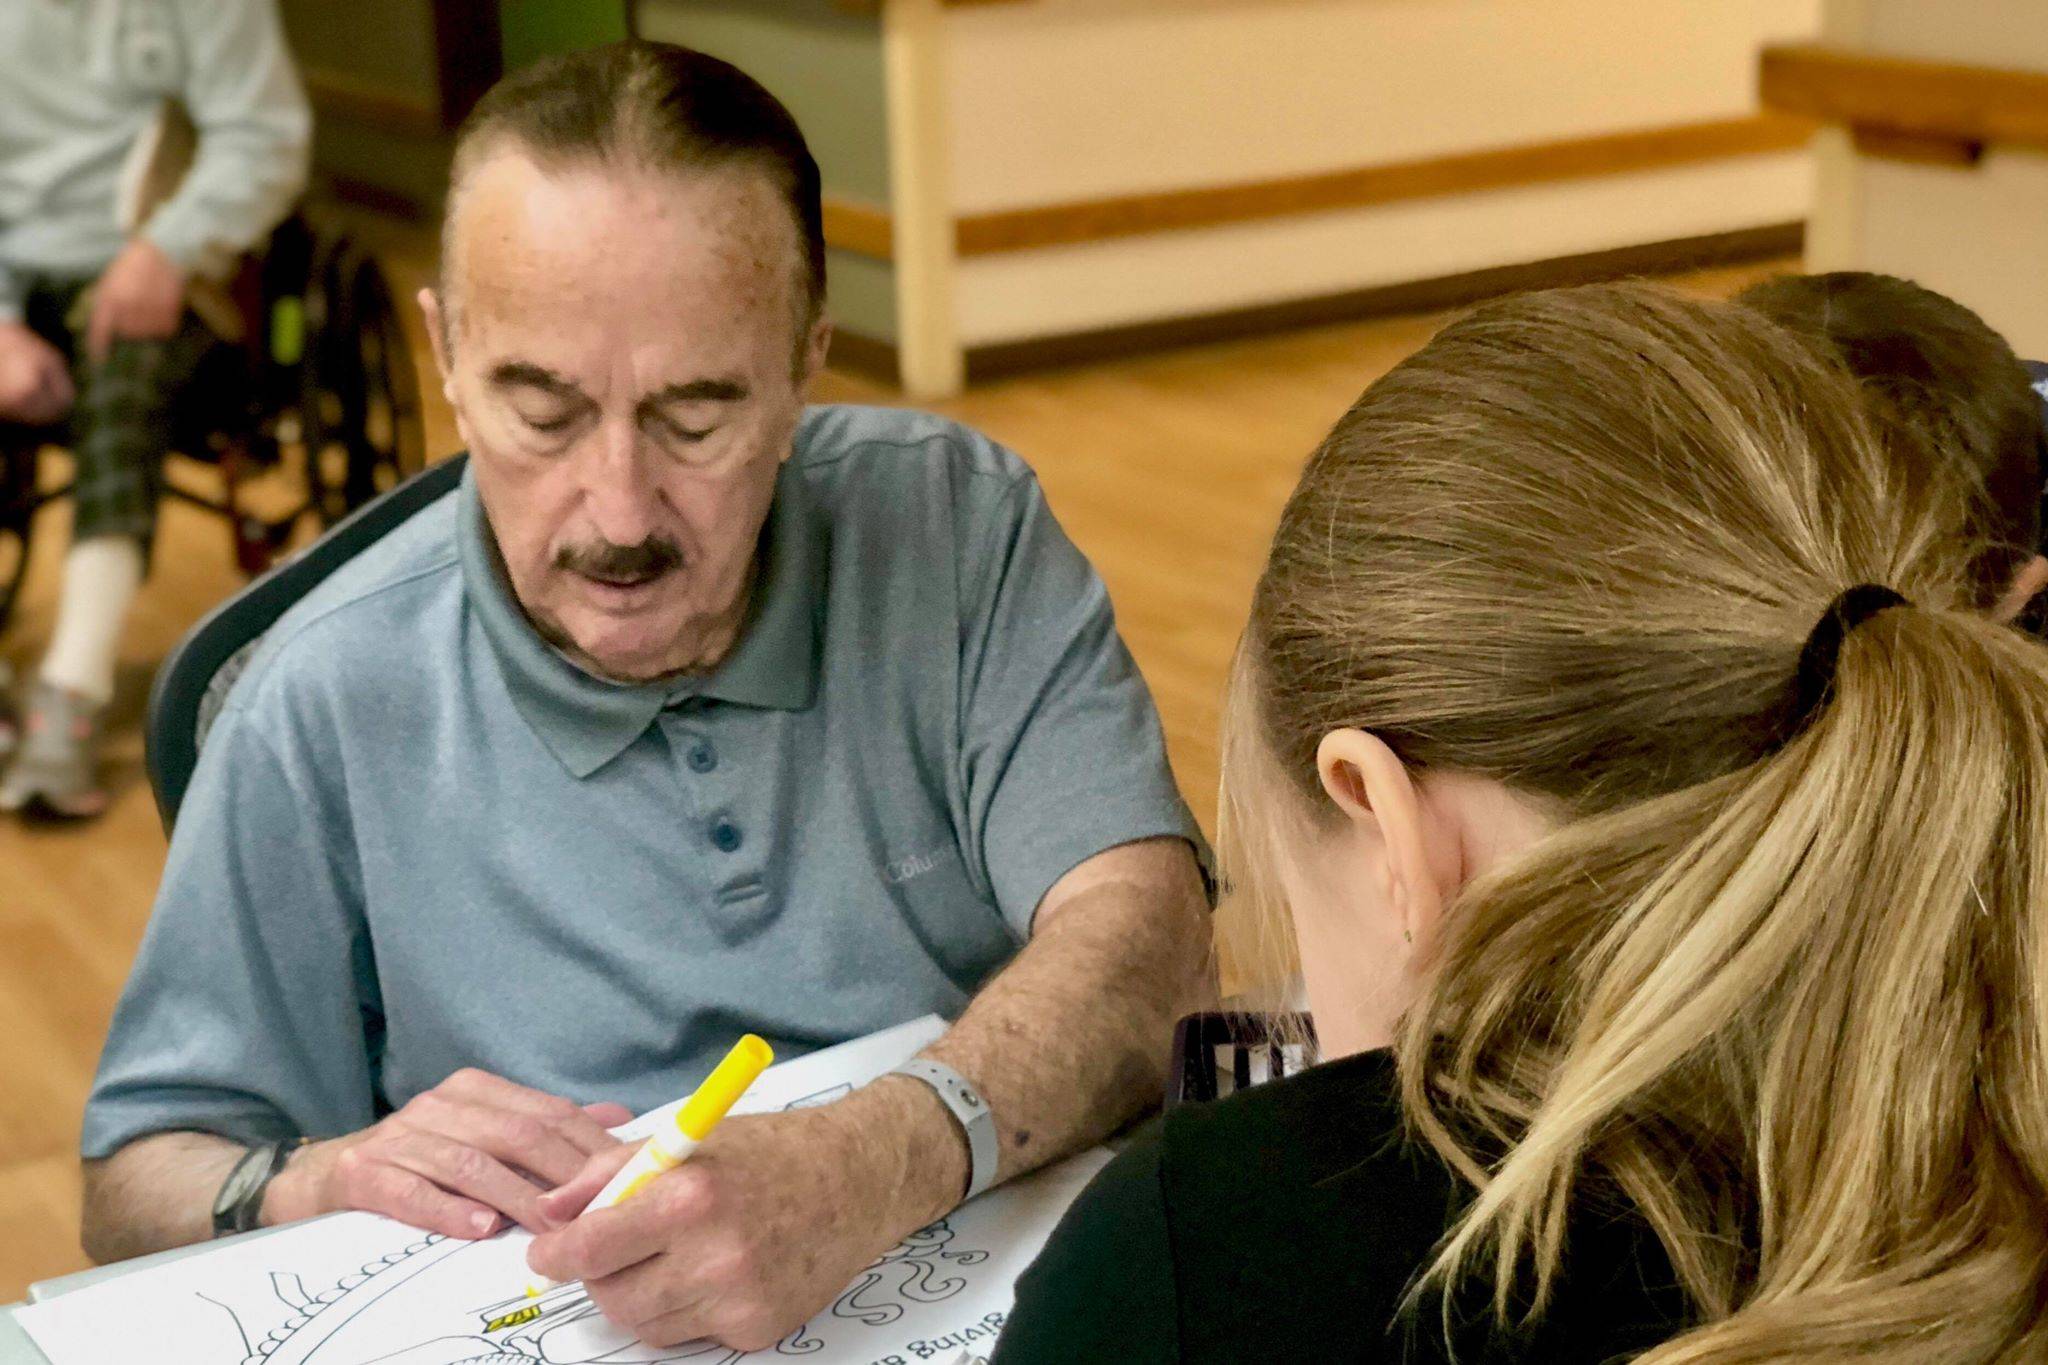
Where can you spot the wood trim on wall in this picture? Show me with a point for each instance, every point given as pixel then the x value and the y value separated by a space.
pixel 862 229
pixel 866 229
pixel 1907 104
pixel 1538 163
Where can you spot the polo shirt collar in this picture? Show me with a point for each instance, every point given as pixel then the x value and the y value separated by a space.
pixel 586 721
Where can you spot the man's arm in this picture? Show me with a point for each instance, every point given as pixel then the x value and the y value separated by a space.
pixel 154 1193
pixel 775 1214
pixel 246 1017
pixel 1071 1041
pixel 461 1159
pixel 254 129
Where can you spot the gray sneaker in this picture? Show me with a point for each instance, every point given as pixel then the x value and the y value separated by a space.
pixel 56 770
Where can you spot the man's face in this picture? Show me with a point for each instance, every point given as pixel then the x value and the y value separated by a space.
pixel 622 357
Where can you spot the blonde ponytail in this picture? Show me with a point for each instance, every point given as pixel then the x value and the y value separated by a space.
pixel 1788 997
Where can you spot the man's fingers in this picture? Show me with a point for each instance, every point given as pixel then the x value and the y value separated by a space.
pixel 566 1201
pixel 398 1193
pixel 37 391
pixel 464 1170
pixel 670 1329
pixel 38 407
pixel 55 386
pixel 648 1301
pixel 664 1305
pixel 567 1117
pixel 608 1114
pixel 514 1138
pixel 99 329
pixel 605 1241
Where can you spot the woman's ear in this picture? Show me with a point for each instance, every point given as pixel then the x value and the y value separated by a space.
pixel 2027 584
pixel 1372 788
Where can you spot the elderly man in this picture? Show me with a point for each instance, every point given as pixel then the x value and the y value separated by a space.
pixel 94 323
pixel 692 712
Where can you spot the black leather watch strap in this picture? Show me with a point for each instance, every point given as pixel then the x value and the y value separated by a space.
pixel 239 1204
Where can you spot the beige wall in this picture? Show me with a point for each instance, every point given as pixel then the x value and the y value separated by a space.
pixel 1987 32
pixel 1065 100
pixel 1979 234
pixel 1073 99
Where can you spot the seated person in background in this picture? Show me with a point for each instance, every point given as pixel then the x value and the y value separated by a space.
pixel 691 713
pixel 1669 892
pixel 94 323
pixel 1944 382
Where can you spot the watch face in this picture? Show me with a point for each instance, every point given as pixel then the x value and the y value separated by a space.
pixel 248 1176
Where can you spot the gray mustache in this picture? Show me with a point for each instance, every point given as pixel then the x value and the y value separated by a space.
pixel 622 563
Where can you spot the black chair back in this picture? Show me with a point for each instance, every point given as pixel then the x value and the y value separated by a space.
pixel 192 683
pixel 1218 1053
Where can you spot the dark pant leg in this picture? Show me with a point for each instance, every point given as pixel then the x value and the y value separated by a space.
pixel 121 430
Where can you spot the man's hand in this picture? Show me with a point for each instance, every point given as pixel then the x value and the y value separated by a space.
pixel 763 1226
pixel 35 383
pixel 458 1160
pixel 141 297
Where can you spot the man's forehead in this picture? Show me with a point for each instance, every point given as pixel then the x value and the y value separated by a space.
pixel 714 245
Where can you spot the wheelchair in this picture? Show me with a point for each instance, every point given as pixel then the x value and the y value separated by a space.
pixel 319 396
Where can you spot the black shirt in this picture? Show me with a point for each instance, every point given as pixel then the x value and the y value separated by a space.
pixel 1285 1224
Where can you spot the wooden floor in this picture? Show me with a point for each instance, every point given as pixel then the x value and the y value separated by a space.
pixel 1168 471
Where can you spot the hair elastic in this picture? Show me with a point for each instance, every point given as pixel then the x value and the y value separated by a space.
pixel 1814 681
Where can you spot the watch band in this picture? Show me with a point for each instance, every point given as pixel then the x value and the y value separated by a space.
pixel 239 1204
pixel 970 1110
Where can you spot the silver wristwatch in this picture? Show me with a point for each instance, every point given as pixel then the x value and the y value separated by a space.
pixel 239 1204
pixel 970 1110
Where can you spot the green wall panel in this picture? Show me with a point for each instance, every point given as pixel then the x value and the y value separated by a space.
pixel 824 64
pixel 535 28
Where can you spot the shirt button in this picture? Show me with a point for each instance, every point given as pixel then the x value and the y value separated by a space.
pixel 725 835
pixel 703 758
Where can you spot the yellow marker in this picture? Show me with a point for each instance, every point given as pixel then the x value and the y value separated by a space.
pixel 667 1149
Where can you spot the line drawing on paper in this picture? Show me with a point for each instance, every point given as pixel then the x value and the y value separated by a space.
pixel 405 1296
pixel 356 1318
pixel 919 1270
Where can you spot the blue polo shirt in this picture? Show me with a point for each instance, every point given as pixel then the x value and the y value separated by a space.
pixel 419 839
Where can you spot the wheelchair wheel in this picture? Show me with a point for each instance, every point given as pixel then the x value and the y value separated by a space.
pixel 18 503
pixel 359 408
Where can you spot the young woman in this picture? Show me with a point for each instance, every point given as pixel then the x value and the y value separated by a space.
pixel 1663 837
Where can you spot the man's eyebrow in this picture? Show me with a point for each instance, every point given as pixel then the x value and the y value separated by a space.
pixel 700 391
pixel 527 374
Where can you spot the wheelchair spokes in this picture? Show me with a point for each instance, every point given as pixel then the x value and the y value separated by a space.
pixel 18 504
pixel 316 412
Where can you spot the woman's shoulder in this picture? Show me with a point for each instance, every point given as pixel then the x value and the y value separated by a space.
pixel 1281 1215
pixel 1301 1211
pixel 1104 1286
pixel 1289 1222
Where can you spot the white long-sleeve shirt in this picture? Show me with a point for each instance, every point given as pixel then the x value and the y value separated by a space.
pixel 81 80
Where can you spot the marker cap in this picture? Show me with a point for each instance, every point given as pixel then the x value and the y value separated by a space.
pixel 749 1057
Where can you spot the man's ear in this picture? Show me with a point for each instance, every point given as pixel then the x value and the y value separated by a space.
pixel 817 348
pixel 1373 789
pixel 437 338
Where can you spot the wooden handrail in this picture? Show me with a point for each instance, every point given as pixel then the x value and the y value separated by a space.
pixel 1902 101
pixel 1494 168
pixel 867 230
